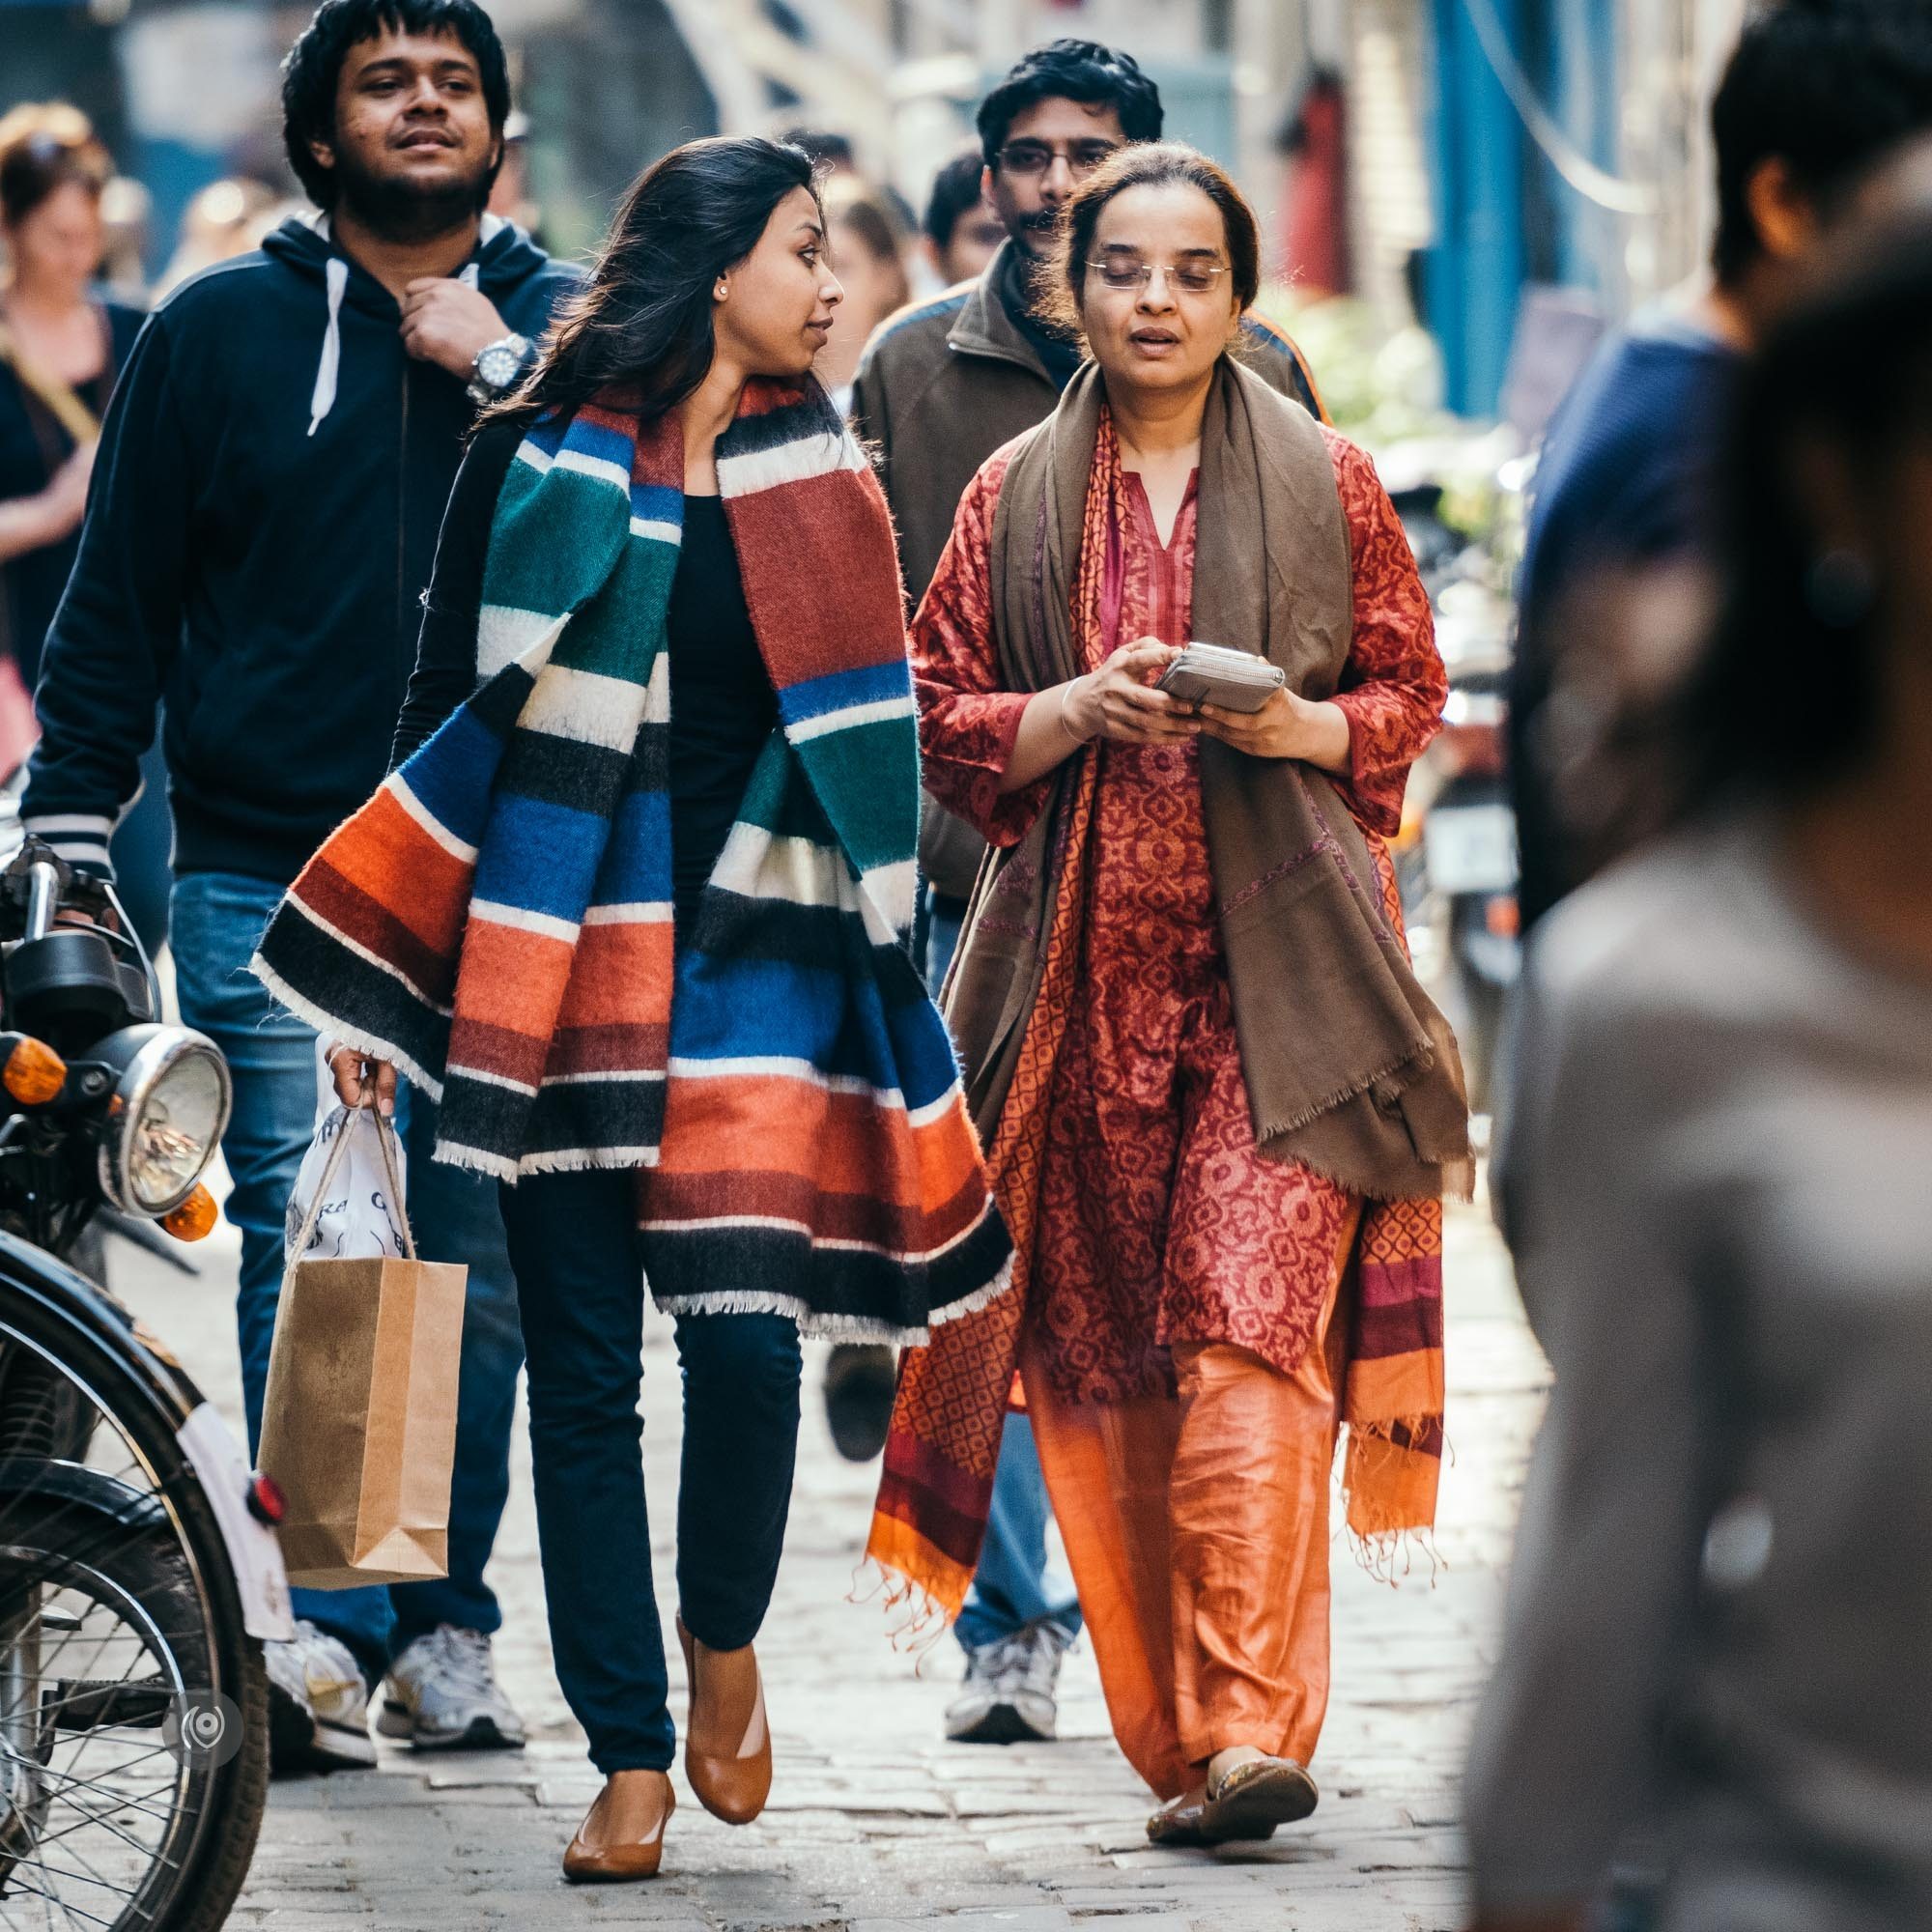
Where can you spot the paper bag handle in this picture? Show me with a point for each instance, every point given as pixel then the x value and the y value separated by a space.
pixel 386 1135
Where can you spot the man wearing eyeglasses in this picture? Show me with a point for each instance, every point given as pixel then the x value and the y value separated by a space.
pixel 940 387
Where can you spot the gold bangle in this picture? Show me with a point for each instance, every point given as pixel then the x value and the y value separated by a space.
pixel 1067 691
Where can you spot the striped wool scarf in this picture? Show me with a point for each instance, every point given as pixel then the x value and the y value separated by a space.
pixel 496 920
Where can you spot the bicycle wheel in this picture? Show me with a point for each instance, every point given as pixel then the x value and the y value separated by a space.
pixel 133 1729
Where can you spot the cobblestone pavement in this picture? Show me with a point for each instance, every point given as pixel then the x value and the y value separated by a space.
pixel 876 1825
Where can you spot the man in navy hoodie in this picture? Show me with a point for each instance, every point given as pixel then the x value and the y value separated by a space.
pixel 262 523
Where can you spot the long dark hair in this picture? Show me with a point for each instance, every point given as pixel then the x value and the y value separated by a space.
pixel 1788 695
pixel 646 315
pixel 1149 165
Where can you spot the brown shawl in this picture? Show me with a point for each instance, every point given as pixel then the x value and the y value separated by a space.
pixel 1350 1068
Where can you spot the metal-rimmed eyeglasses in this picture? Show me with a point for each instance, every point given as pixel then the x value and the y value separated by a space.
pixel 1035 157
pixel 1191 278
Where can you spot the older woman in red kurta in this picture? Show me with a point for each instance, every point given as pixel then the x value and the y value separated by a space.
pixel 1181 1353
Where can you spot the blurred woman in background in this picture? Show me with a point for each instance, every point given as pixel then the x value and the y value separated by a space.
pixel 867 244
pixel 61 345
pixel 1714 1182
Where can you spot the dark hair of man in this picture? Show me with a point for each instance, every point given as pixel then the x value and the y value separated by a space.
pixel 645 317
pixel 955 194
pixel 44 146
pixel 313 70
pixel 1788 695
pixel 1080 71
pixel 1151 164
pixel 1827 87
pixel 827 148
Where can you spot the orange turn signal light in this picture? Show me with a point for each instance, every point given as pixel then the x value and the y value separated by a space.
pixel 195 1217
pixel 32 1073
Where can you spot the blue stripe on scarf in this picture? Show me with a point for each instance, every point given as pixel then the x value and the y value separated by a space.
pixel 634 871
pixel 655 503
pixel 540 857
pixel 442 774
pixel 841 690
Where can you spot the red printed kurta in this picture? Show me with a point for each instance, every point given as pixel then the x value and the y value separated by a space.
pixel 1158 1222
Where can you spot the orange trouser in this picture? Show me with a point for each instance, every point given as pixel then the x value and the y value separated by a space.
pixel 1197 1530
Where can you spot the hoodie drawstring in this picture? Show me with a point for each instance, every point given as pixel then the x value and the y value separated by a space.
pixel 337 270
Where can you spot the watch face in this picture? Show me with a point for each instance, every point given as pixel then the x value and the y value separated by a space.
pixel 496 366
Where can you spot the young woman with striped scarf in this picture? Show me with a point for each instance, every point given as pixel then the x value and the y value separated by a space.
pixel 634 904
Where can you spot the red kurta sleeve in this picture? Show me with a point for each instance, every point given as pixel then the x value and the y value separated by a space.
pixel 967 722
pixel 1392 686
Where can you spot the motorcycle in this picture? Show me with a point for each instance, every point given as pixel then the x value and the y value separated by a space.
pixel 139 1574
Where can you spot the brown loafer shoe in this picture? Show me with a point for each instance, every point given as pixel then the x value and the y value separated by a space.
pixel 621 1838
pixel 1256 1797
pixel 728 1744
pixel 1177 1821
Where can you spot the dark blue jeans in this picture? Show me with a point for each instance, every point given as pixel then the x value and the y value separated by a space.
pixel 1012 1586
pixel 581 1290
pixel 217 918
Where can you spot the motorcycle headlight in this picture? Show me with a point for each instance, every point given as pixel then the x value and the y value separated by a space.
pixel 170 1104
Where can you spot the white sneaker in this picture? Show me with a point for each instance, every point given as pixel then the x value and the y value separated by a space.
pixel 1009 1693
pixel 442 1695
pixel 318 1704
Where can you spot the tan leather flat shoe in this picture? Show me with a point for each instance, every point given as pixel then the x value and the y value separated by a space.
pixel 621 1838
pixel 727 1744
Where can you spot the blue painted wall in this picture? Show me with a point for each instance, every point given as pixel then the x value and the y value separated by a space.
pixel 1492 186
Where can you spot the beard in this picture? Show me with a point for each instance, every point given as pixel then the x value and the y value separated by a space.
pixel 400 210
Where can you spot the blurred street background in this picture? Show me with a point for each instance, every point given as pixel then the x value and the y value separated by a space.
pixel 1457 192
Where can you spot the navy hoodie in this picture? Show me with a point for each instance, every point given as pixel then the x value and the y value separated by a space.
pixel 261 525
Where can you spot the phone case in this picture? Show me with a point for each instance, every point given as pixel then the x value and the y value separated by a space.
pixel 1213 674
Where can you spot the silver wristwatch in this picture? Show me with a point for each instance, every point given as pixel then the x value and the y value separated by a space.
pixel 496 367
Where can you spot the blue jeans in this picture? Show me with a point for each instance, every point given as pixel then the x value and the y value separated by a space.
pixel 580 1286
pixel 1011 1588
pixel 217 918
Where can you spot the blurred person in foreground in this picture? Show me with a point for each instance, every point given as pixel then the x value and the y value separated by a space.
pixel 1715 1185
pixel 961 230
pixel 862 231
pixel 668 995
pixel 273 473
pixel 1221 1163
pixel 1816 95
pixel 942 386
pixel 62 343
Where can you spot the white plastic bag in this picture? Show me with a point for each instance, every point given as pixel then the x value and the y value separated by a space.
pixel 358 1220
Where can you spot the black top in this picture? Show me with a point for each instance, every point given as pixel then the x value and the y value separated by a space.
pixel 724 707
pixel 33 445
pixel 256 558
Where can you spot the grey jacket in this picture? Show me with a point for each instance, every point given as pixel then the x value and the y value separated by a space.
pixel 1715 1182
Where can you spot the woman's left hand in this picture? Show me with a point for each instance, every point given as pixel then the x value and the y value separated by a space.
pixel 1286 726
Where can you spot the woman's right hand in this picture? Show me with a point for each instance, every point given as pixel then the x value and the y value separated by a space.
pixel 362 1081
pixel 1119 700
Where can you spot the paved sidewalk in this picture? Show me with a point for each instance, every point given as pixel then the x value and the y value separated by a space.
pixel 875 1825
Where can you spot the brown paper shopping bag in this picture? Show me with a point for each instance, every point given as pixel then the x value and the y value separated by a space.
pixel 359 1428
